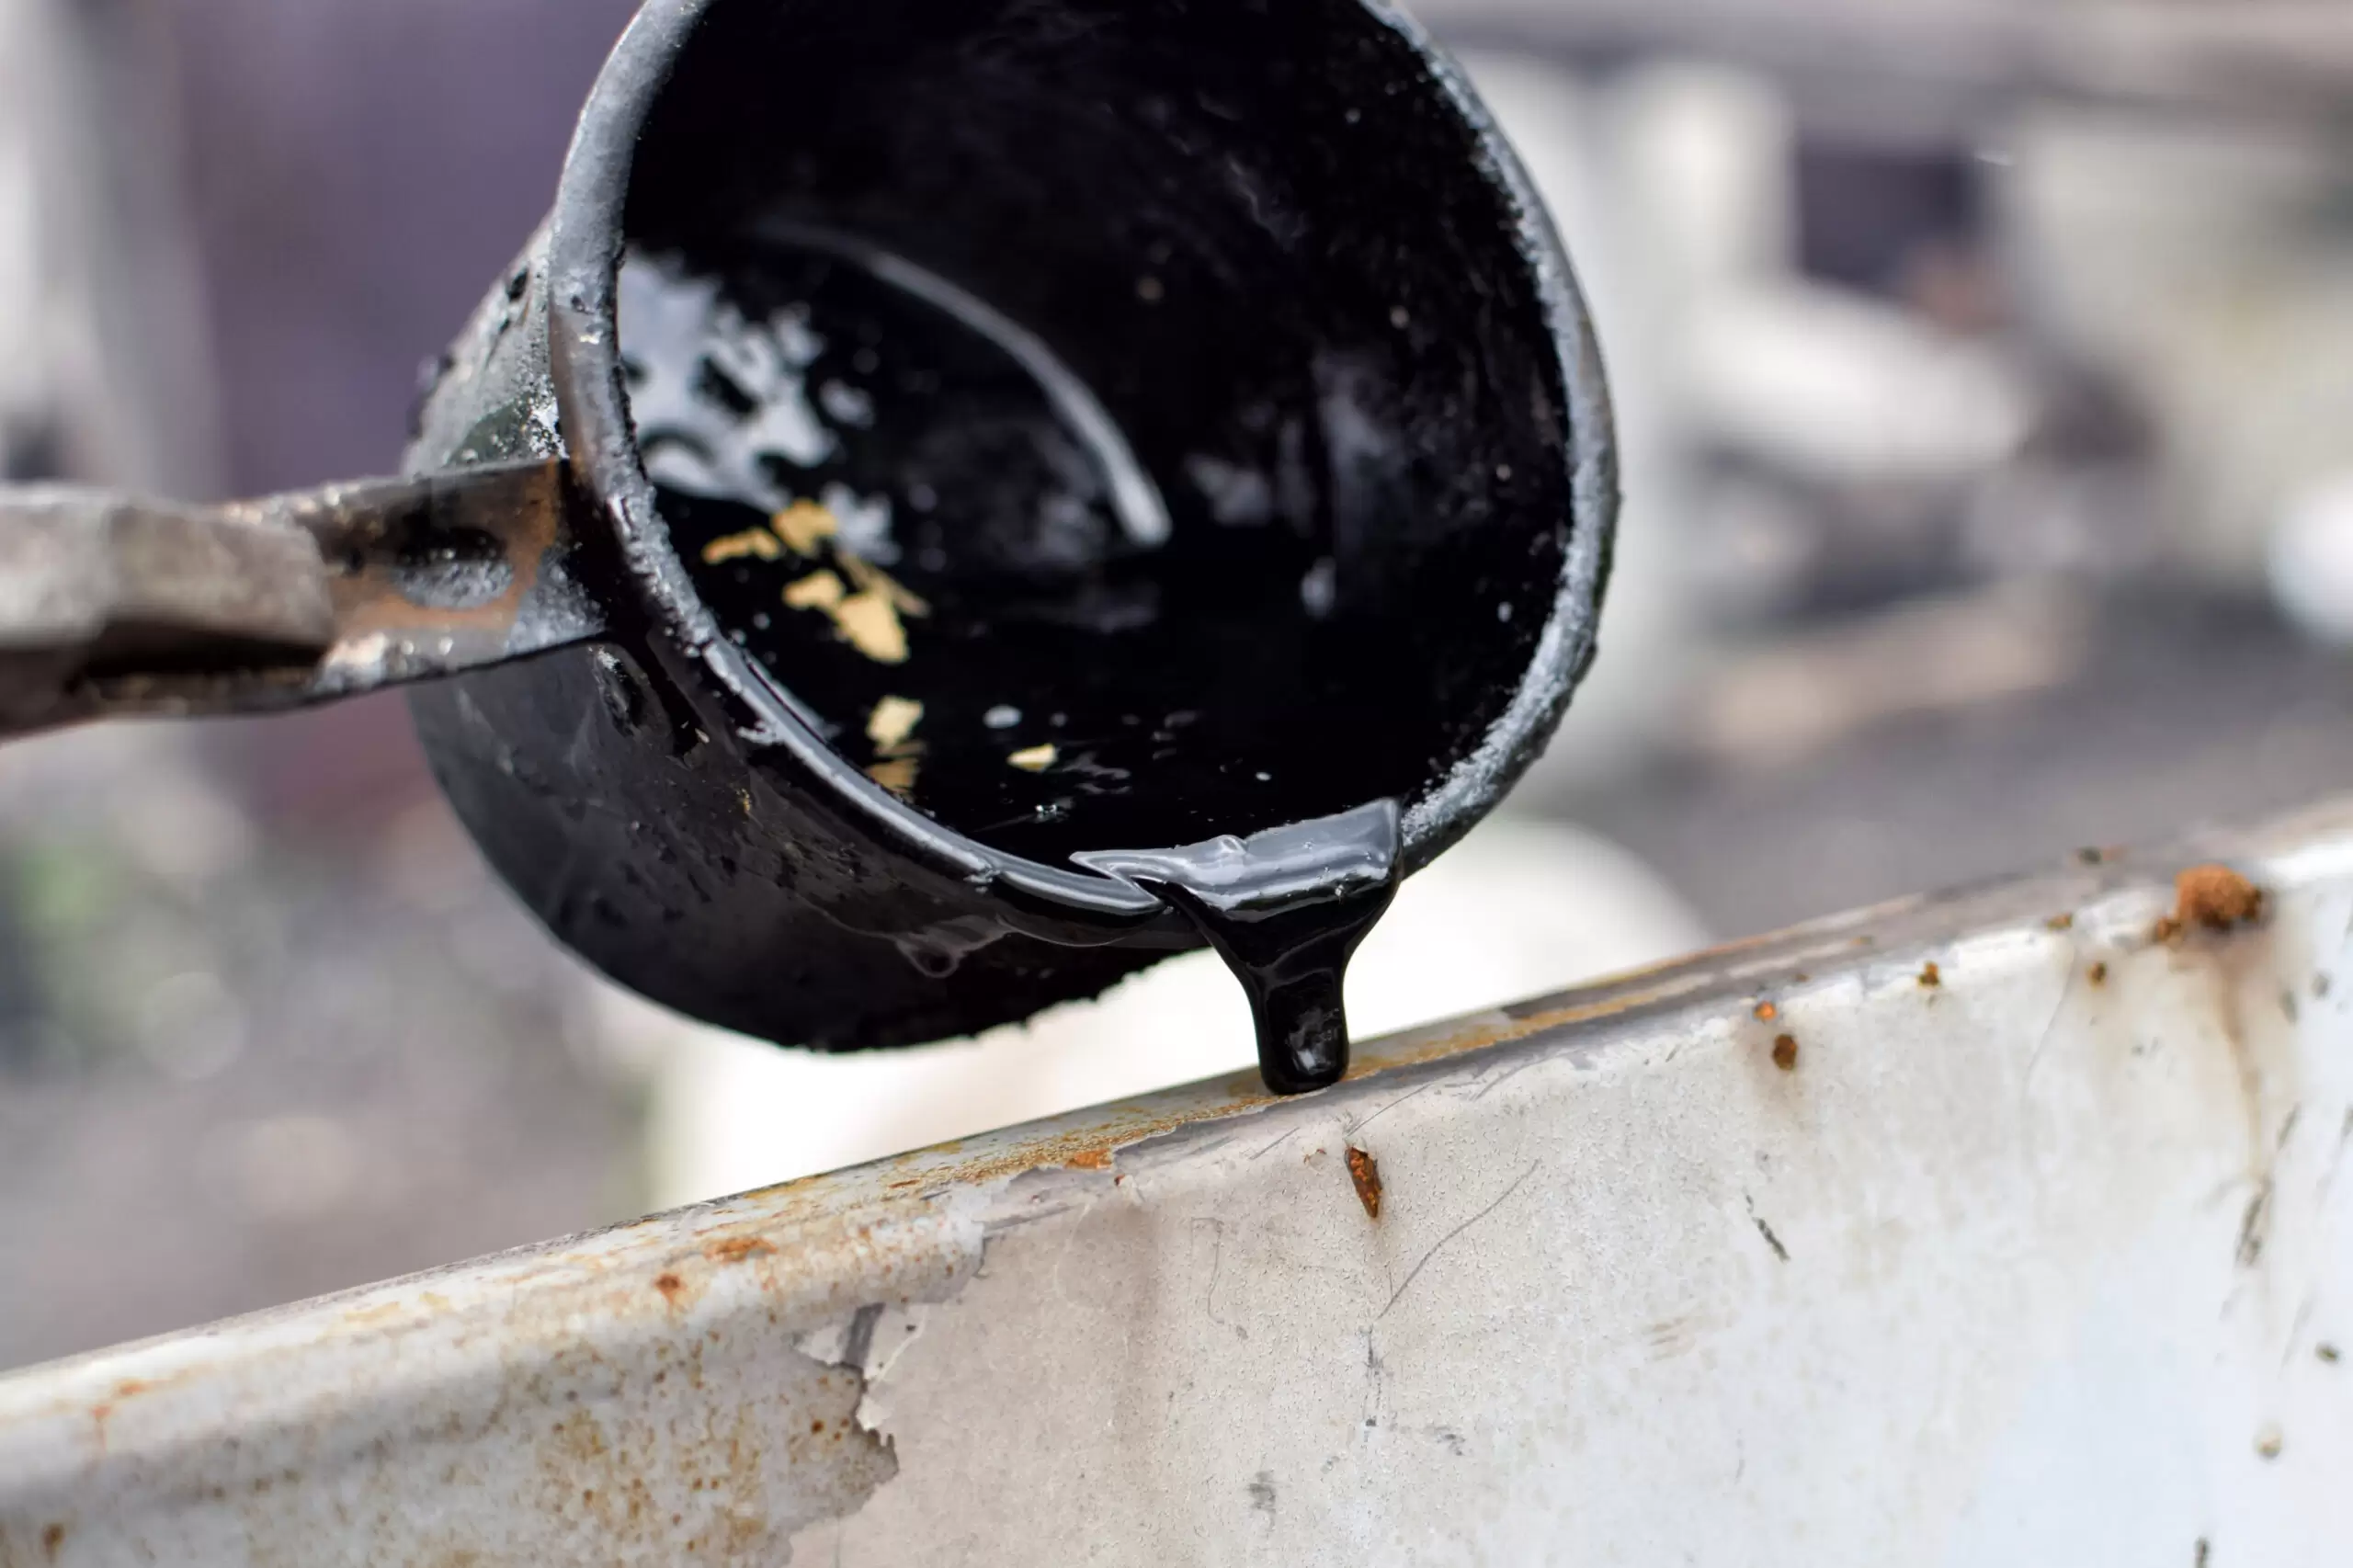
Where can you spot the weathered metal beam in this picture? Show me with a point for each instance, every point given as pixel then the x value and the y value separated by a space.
pixel 1988 1228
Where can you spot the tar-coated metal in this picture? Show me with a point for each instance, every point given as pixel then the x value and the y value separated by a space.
pixel 1996 1228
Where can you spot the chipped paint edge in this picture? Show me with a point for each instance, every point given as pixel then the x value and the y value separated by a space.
pixel 145 1426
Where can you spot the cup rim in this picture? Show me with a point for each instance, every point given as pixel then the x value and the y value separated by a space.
pixel 584 251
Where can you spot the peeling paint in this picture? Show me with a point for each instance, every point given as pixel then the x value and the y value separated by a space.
pixel 1509 1337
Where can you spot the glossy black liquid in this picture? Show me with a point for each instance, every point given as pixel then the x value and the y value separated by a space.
pixel 1287 910
pixel 1065 667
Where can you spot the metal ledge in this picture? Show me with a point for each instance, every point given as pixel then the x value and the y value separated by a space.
pixel 1995 1227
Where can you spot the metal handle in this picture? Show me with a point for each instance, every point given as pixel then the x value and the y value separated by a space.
pixel 114 606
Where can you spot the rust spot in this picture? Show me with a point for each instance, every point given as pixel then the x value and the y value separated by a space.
pixel 1785 1053
pixel 1091 1160
pixel 2060 923
pixel 1364 1171
pixel 735 1249
pixel 817 1425
pixel 1766 1012
pixel 52 1538
pixel 671 1287
pixel 2098 974
pixel 1931 977
pixel 1066 1148
pixel 2213 897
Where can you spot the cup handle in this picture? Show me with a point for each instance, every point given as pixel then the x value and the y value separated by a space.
pixel 113 606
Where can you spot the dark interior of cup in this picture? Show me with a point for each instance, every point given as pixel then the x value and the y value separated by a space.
pixel 1110 422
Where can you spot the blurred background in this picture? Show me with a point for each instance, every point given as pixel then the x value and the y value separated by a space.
pixel 1982 381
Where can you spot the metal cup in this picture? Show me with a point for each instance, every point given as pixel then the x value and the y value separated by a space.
pixel 1230 221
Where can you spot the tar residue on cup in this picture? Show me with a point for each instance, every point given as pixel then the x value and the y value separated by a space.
pixel 939 544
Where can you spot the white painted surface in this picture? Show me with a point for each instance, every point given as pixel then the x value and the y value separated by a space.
pixel 2042 1256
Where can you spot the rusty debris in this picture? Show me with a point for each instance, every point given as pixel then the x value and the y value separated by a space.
pixel 2098 974
pixel 2328 1353
pixel 2060 923
pixel 1785 1052
pixel 1931 977
pixel 1365 1172
pixel 1766 1012
pixel 2213 898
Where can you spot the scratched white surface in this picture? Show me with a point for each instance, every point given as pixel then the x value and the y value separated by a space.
pixel 2043 1262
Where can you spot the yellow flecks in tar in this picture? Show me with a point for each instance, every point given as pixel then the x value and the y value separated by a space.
pixel 872 579
pixel 896 774
pixel 894 720
pixel 870 622
pixel 818 590
pixel 756 542
pixel 804 525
